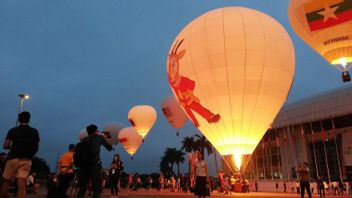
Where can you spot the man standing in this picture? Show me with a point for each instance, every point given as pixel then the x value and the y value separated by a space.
pixel 66 170
pixel 23 143
pixel 304 175
pixel 92 172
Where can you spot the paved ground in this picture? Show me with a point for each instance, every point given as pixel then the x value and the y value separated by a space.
pixel 157 194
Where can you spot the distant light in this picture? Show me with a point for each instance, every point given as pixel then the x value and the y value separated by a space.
pixel 24 96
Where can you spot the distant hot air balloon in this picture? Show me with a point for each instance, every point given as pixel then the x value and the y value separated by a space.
pixel 326 26
pixel 231 69
pixel 113 130
pixel 130 140
pixel 173 112
pixel 142 118
pixel 82 134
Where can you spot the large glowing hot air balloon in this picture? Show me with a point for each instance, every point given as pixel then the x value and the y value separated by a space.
pixel 142 118
pixel 113 130
pixel 231 70
pixel 130 140
pixel 325 25
pixel 173 112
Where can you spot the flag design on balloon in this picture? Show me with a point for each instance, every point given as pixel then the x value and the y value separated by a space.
pixel 323 14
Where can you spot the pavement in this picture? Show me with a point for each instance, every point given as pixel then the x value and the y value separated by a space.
pixel 157 194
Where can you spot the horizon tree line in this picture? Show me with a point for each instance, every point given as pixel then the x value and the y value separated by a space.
pixel 176 156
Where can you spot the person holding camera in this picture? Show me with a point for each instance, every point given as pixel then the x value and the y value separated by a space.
pixel 304 175
pixel 92 172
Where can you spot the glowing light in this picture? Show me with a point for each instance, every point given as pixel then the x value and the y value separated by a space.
pixel 343 61
pixel 24 96
pixel 231 70
pixel 142 118
pixel 238 161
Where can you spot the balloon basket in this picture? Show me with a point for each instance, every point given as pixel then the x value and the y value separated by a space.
pixel 346 76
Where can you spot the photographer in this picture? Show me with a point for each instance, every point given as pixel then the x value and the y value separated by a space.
pixel 92 172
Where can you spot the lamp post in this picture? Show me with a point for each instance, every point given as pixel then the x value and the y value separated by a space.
pixel 23 97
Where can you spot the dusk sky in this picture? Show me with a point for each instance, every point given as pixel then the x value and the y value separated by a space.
pixel 84 62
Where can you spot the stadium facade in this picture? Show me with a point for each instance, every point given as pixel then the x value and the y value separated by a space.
pixel 317 130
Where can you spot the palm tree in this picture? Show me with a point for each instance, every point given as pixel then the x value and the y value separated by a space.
pixel 165 166
pixel 179 158
pixel 170 156
pixel 202 144
pixel 188 144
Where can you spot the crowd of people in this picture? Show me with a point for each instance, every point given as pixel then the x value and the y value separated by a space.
pixel 80 169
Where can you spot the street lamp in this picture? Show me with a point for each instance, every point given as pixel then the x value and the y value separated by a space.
pixel 23 97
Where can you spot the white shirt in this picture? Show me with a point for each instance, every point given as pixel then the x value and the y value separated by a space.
pixel 201 168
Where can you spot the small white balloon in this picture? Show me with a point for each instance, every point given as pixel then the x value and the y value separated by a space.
pixel 82 134
pixel 113 130
pixel 130 140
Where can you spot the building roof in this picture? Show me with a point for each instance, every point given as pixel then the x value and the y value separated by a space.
pixel 324 105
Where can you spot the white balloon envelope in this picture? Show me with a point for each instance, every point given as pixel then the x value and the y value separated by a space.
pixel 82 134
pixel 113 129
pixel 130 140
pixel 142 118
pixel 231 69
pixel 173 112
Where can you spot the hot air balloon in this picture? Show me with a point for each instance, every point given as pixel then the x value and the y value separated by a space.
pixel 326 26
pixel 231 69
pixel 130 140
pixel 142 118
pixel 82 134
pixel 173 112
pixel 113 130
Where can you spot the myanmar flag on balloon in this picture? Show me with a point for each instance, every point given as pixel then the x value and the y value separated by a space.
pixel 321 14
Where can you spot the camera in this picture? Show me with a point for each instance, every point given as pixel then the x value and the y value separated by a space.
pixel 106 134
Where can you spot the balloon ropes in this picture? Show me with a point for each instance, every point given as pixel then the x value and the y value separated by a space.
pixel 326 26
pixel 173 113
pixel 231 69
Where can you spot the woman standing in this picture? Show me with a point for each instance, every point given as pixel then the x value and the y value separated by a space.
pixel 201 170
pixel 116 168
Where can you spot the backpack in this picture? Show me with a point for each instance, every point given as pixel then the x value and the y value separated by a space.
pixel 26 145
pixel 83 156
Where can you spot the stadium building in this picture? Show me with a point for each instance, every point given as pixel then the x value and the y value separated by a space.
pixel 317 130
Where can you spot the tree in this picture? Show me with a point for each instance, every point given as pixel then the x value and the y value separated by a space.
pixel 188 144
pixel 179 158
pixel 165 166
pixel 202 144
pixel 169 158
